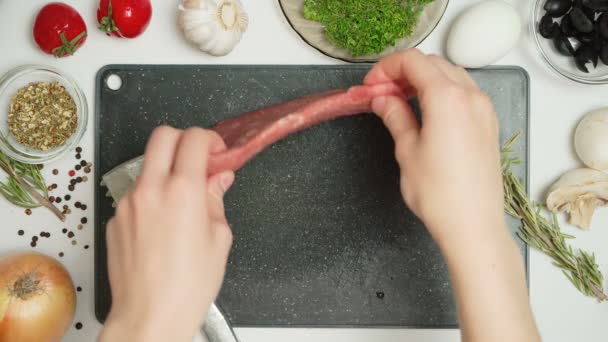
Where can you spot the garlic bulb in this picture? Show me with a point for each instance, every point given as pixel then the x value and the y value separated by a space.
pixel 215 26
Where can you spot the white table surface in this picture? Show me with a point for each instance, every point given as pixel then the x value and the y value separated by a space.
pixel 563 314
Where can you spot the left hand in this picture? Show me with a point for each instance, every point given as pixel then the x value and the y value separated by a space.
pixel 169 241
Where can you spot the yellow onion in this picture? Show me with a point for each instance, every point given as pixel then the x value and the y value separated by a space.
pixel 37 299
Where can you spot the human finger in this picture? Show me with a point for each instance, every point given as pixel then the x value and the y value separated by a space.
pixel 410 66
pixel 398 117
pixel 193 153
pixel 217 187
pixel 160 153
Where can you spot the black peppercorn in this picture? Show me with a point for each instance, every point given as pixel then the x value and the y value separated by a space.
pixel 20 232
pixel 83 220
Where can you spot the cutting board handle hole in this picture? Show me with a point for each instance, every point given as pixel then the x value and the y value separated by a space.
pixel 113 82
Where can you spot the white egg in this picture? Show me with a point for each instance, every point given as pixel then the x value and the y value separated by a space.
pixel 483 34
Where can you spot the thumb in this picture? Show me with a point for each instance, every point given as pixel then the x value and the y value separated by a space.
pixel 397 116
pixel 217 186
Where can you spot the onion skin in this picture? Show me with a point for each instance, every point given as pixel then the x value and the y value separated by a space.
pixel 44 311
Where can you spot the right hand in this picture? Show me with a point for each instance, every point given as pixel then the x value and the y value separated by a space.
pixel 450 165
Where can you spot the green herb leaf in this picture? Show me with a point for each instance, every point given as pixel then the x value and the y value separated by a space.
pixel 545 235
pixel 25 186
pixel 365 27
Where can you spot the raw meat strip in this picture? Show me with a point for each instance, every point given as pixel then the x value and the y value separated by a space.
pixel 250 133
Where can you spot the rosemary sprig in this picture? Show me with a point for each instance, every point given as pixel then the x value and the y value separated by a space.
pixel 545 234
pixel 25 185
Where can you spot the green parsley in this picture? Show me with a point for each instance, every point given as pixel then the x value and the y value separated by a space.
pixel 365 27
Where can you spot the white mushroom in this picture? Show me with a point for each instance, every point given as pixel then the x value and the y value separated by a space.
pixel 591 139
pixel 578 193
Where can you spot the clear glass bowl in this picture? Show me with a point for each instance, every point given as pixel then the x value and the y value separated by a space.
pixel 562 65
pixel 313 33
pixel 20 77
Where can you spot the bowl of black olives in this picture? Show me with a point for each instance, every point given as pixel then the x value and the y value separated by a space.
pixel 572 37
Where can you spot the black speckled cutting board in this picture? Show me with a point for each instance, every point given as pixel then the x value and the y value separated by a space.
pixel 322 237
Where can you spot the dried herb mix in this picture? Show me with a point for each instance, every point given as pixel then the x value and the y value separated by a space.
pixel 42 115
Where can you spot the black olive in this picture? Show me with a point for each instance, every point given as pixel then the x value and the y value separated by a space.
pixel 580 21
pixel 588 11
pixel 598 41
pixel 585 54
pixel 557 8
pixel 596 5
pixel 547 27
pixel 563 45
pixel 567 28
pixel 602 25
pixel 586 38
pixel 604 54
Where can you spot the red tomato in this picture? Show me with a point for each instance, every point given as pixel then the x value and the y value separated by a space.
pixel 59 30
pixel 124 18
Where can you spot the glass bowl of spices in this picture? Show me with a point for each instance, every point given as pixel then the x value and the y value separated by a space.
pixel 43 114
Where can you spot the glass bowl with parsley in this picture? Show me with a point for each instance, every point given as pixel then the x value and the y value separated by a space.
pixel 43 114
pixel 363 30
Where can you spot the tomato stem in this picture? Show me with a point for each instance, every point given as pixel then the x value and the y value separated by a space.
pixel 107 23
pixel 68 47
